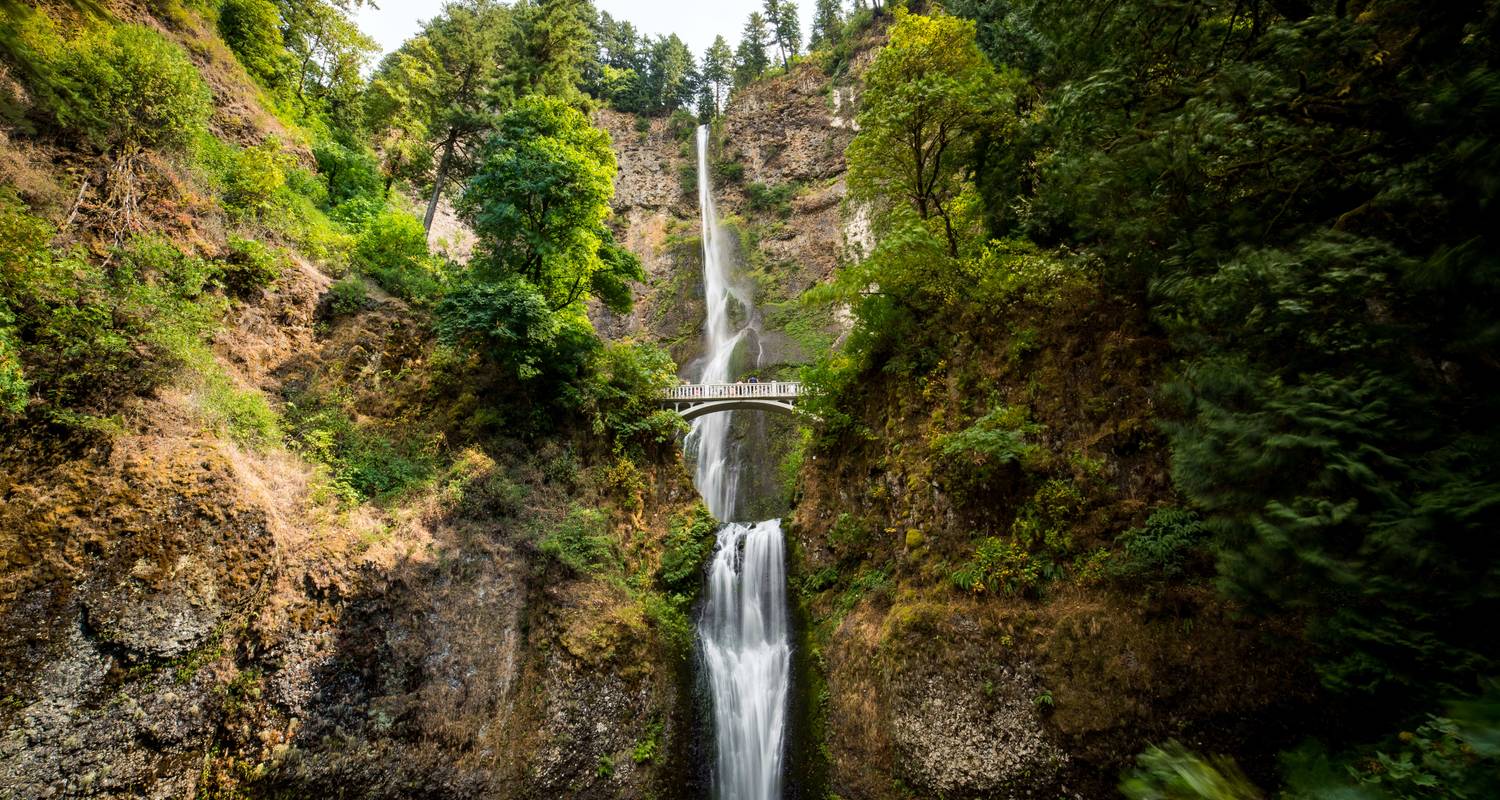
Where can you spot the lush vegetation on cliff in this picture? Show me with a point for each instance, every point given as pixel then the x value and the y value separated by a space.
pixel 1299 195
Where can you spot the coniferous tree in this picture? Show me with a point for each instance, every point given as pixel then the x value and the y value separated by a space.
pixel 449 79
pixel 716 74
pixel 786 30
pixel 750 59
pixel 828 23
pixel 671 81
pixel 554 37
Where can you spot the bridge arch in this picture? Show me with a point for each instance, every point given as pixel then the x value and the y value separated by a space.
pixel 694 400
pixel 693 411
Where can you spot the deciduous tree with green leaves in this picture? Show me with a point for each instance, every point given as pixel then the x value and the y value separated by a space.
pixel 539 203
pixel 928 97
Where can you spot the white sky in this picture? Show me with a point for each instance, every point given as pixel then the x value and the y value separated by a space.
pixel 696 21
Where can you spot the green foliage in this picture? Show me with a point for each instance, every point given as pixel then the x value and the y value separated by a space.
pixel 1171 772
pixel 728 171
pixel 999 566
pixel 999 438
pixel 510 324
pixel 363 464
pixel 249 265
pixel 128 89
pixel 773 199
pixel 1456 755
pixel 621 390
pixel 687 178
pixel 1163 548
pixel 1044 523
pixel 349 173
pixel 865 583
pixel 243 414
pixel 649 747
pixel 1266 187
pixel 14 387
pixel 927 98
pixel 670 615
pixel 581 542
pixel 683 126
pixel 85 335
pixel 392 249
pixel 252 29
pixel 689 543
pixel 348 295
pixel 255 180
pixel 849 536
pixel 540 199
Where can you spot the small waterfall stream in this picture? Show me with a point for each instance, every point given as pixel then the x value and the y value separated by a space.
pixel 743 627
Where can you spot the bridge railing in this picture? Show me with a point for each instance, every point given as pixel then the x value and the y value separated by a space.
pixel 729 391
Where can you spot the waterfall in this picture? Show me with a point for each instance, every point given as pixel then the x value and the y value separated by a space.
pixel 742 629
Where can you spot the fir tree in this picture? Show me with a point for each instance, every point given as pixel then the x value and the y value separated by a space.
pixel 717 63
pixel 750 59
pixel 828 23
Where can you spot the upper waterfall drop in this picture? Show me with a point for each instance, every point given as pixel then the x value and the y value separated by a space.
pixel 743 629
pixel 726 348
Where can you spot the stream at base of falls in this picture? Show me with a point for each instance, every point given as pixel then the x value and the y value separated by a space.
pixel 743 632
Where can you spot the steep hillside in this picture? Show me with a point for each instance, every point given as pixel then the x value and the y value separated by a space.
pixel 300 555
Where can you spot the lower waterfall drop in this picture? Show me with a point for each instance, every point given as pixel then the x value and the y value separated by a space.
pixel 743 626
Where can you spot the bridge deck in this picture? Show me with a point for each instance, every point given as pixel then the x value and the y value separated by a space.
pixel 696 392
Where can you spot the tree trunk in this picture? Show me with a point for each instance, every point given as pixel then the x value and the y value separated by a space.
pixel 437 182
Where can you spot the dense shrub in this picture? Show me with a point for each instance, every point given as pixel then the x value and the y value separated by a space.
pixel 249 265
pixel 13 384
pixel 348 172
pixel 252 29
pixel 392 249
pixel 1163 548
pixel 580 542
pixel 510 325
pixel 131 89
pixel 999 566
pixel 254 181
pixel 728 171
pixel 85 334
pixel 348 295
pixel 363 463
pixel 776 199
pixel 682 125
pixel 689 543
pixel 621 391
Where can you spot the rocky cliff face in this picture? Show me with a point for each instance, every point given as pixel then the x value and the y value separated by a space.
pixel 188 614
pixel 181 615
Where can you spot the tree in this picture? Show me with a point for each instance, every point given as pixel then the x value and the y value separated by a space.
pixel 828 23
pixel 927 98
pixel 539 203
pixel 252 29
pixel 750 59
pixel 717 63
pixel 446 84
pixel 671 82
pixel 327 50
pixel 399 102
pixel 786 29
pixel 554 38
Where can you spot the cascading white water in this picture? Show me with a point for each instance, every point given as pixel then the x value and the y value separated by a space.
pixel 746 649
pixel 743 627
